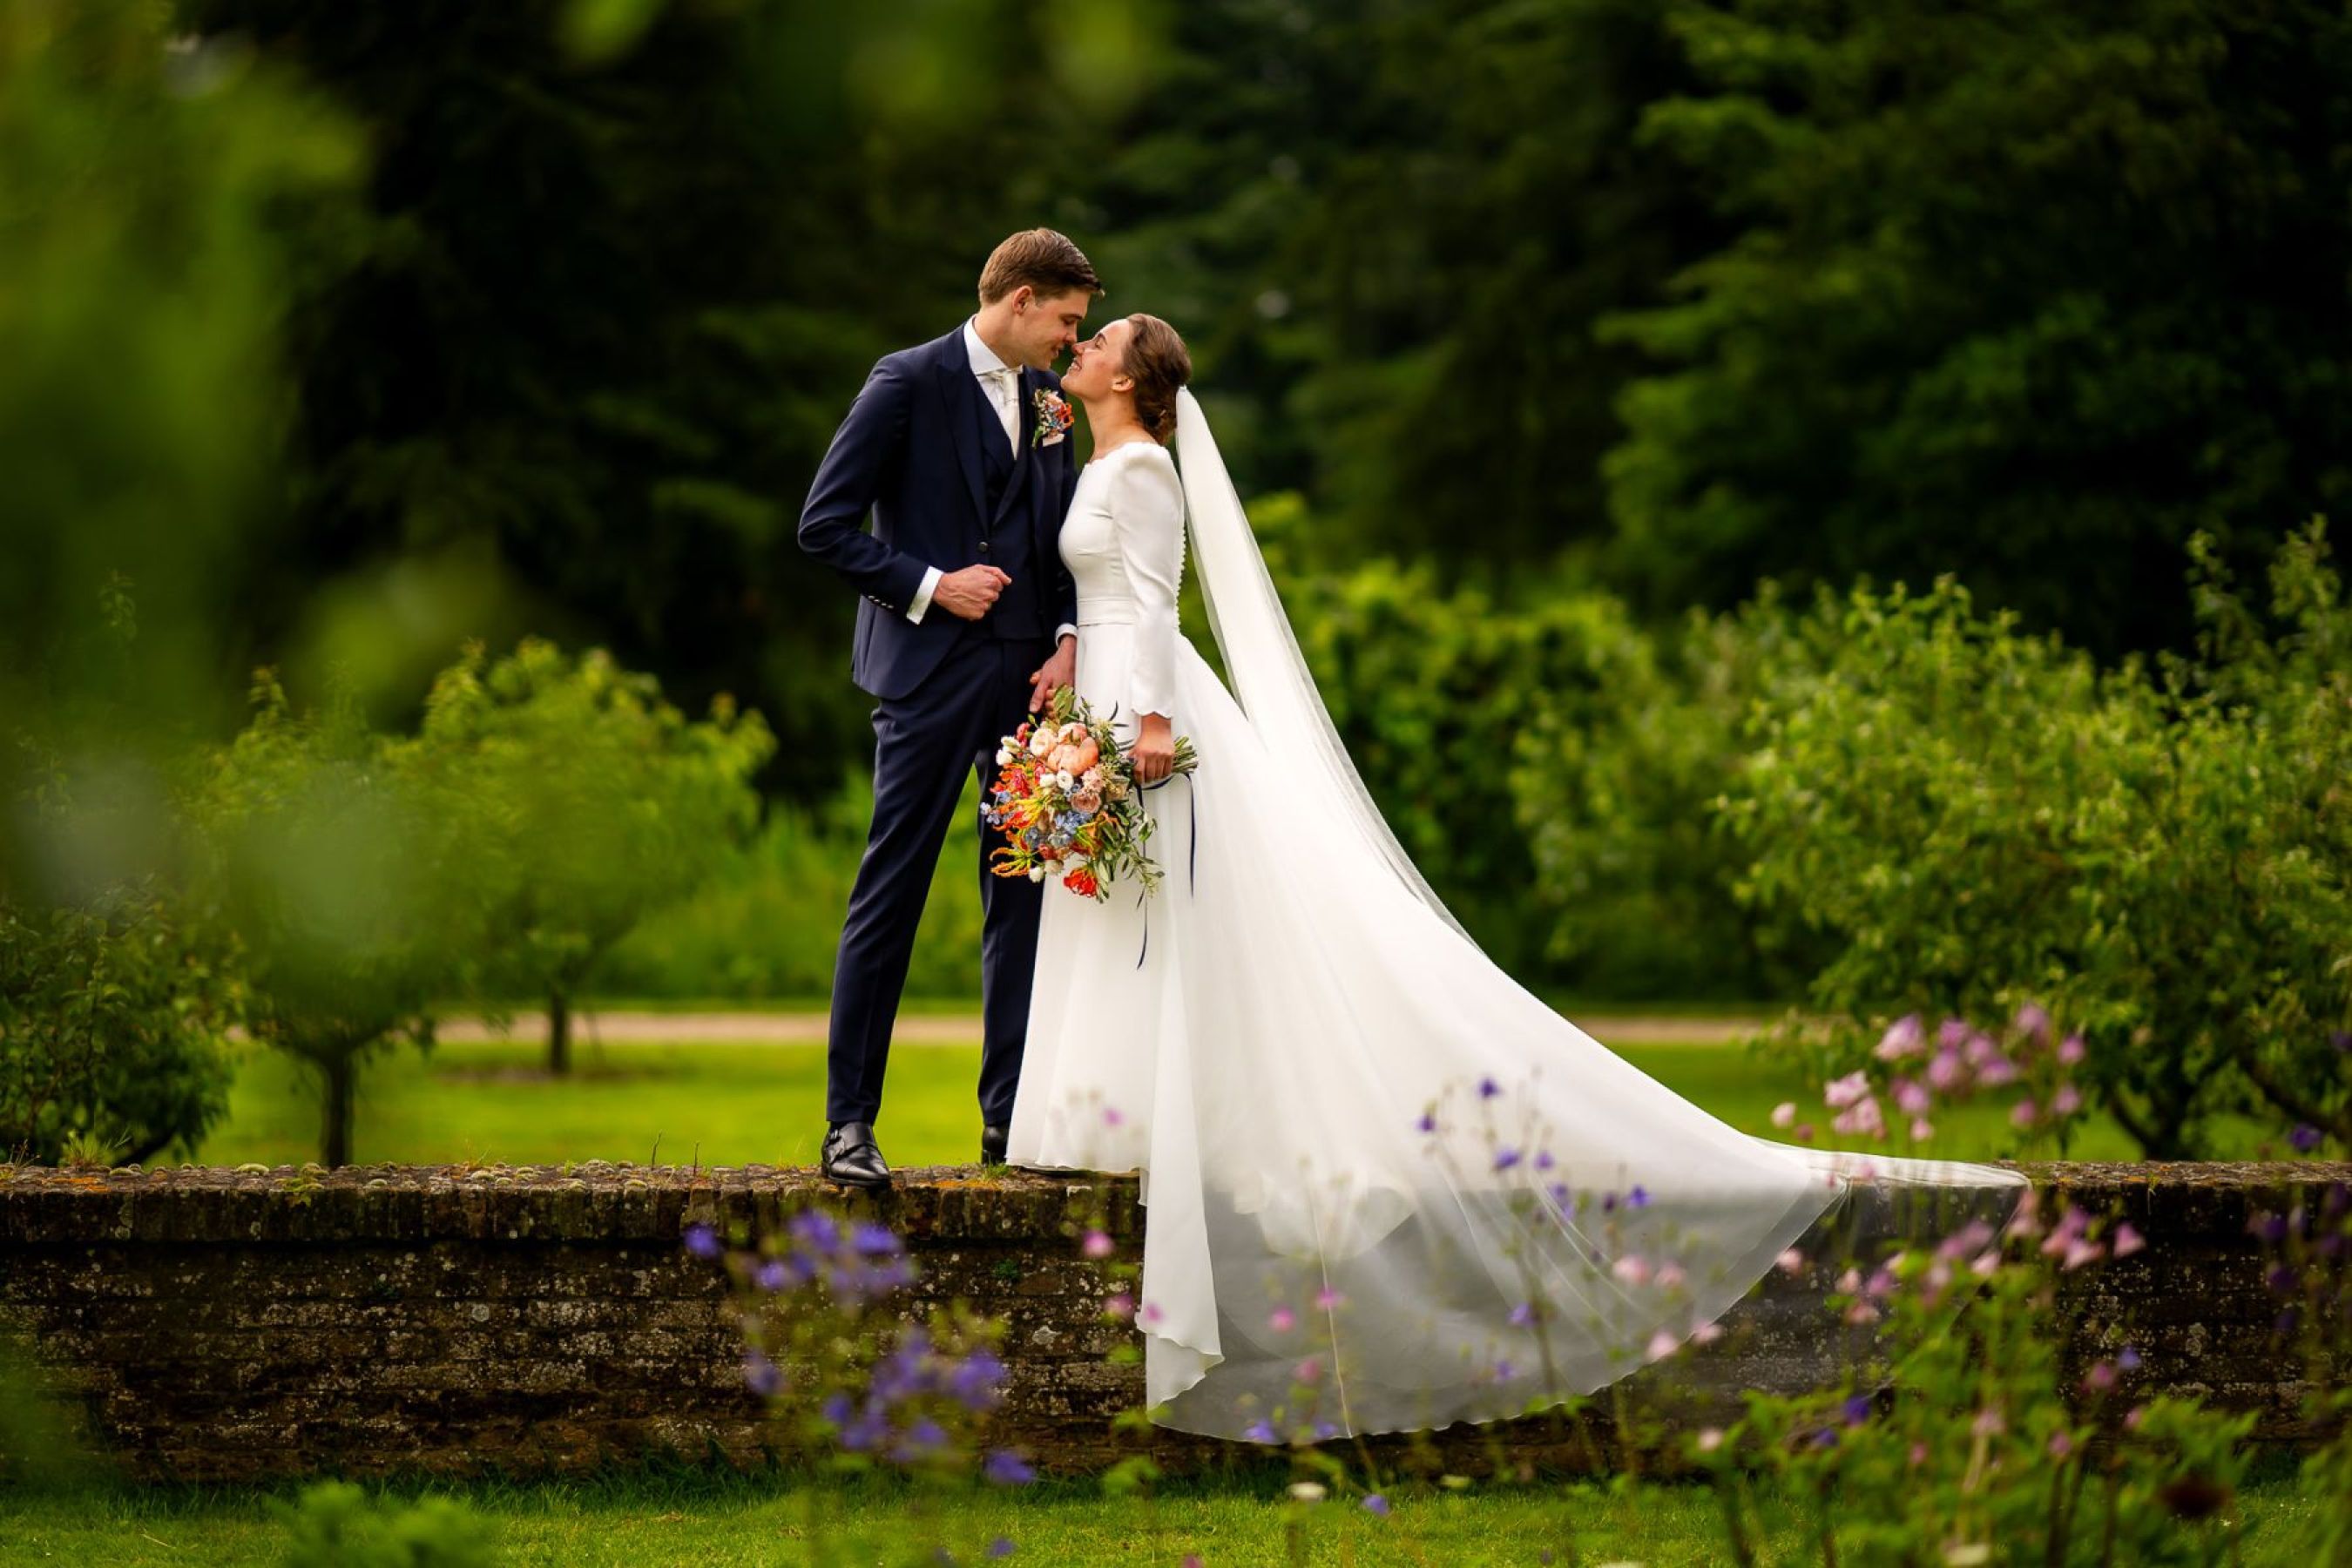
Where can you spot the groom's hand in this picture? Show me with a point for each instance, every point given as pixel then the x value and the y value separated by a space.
pixel 1060 670
pixel 971 593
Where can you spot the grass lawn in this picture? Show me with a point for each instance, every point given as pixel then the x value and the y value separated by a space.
pixel 745 1104
pixel 1225 1521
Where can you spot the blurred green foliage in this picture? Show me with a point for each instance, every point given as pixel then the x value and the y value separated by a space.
pixel 141 283
pixel 335 1524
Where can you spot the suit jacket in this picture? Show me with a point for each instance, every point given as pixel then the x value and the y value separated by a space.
pixel 908 453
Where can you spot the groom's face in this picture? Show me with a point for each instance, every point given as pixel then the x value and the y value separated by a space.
pixel 1043 328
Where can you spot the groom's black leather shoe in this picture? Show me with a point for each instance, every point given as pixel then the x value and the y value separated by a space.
pixel 993 1142
pixel 851 1157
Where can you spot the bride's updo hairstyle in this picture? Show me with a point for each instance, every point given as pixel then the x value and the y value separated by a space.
pixel 1156 361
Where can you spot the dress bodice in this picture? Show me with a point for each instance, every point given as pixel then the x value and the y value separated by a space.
pixel 1124 544
pixel 1128 514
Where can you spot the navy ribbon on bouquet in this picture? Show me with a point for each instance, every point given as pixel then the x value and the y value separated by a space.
pixel 1191 857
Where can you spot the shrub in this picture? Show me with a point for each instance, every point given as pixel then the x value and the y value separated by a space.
pixel 766 923
pixel 1980 818
pixel 111 1030
pixel 1544 763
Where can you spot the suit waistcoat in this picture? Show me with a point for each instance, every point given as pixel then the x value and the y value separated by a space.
pixel 1009 540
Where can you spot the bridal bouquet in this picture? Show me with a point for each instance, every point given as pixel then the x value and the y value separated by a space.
pixel 1066 801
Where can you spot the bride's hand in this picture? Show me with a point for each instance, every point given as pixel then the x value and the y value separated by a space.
pixel 1154 752
pixel 1060 669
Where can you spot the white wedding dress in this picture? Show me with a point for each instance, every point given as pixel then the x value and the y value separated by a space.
pixel 1386 1188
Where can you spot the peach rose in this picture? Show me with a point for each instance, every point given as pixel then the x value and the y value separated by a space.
pixel 1075 757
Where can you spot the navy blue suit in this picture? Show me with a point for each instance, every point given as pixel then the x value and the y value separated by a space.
pixel 924 452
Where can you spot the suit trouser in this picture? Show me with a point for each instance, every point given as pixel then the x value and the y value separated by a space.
pixel 924 744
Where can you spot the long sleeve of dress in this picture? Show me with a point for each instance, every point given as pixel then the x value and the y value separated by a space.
pixel 1146 508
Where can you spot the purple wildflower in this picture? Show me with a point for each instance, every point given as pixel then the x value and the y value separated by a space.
pixel 1001 1547
pixel 977 1383
pixel 1260 1432
pixel 1376 1505
pixel 1857 1409
pixel 1488 1089
pixel 1638 1198
pixel 772 1274
pixel 1428 1122
pixel 874 1240
pixel 924 1439
pixel 702 1241
pixel 1506 1158
pixel 1004 1467
pixel 764 1377
pixel 2305 1138
pixel 815 1229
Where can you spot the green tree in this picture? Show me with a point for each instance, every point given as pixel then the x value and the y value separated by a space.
pixel 1982 817
pixel 2021 292
pixel 355 885
pixel 606 802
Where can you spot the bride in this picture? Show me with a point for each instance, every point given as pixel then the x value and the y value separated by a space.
pixel 1387 1188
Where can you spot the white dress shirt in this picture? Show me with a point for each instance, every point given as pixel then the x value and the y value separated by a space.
pixel 1000 383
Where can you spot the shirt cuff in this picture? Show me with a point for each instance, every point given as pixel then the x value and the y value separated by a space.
pixel 931 575
pixel 1064 630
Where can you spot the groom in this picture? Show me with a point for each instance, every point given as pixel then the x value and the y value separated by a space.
pixel 959 450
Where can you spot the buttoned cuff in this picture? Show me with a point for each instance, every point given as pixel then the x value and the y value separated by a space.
pixel 1064 630
pixel 931 575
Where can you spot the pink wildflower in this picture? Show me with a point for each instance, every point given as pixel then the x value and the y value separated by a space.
pixel 1903 1037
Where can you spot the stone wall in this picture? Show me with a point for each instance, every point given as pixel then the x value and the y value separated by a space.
pixel 224 1325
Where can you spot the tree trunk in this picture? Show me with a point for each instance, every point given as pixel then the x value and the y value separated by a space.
pixel 342 1070
pixel 559 1034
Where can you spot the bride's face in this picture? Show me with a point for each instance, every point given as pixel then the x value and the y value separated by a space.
pixel 1098 366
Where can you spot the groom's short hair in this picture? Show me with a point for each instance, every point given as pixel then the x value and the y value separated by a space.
pixel 1044 261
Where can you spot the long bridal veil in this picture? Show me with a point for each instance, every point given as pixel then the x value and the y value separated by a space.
pixel 1404 1191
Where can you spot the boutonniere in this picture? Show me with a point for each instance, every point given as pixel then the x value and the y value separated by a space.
pixel 1054 417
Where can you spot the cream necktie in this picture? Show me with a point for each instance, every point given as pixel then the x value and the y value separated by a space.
pixel 1004 393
